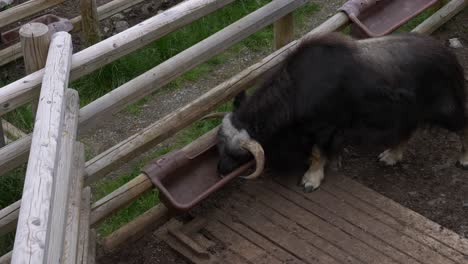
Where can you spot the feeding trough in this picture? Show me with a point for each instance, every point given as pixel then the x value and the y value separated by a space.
pixel 55 24
pixel 375 18
pixel 185 177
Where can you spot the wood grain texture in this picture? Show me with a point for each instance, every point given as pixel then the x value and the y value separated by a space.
pixel 34 216
pixel 35 41
pixel 12 131
pixel 14 52
pixel 9 217
pixel 172 68
pixel 63 178
pixel 70 246
pixel 182 117
pixel 86 61
pixel 440 17
pixel 120 198
pixel 83 239
pixel 151 219
pixel 6 259
pixel 24 10
pixel 161 75
pixel 90 22
pixel 284 30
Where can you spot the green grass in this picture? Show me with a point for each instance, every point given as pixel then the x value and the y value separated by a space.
pixel 119 72
pixel 11 187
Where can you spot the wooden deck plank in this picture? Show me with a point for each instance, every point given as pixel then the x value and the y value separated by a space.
pixel 254 237
pixel 281 237
pixel 392 237
pixel 272 221
pixel 286 223
pixel 405 215
pixel 240 246
pixel 339 232
pixel 334 188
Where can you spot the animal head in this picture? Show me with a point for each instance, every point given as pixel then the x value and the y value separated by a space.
pixel 235 146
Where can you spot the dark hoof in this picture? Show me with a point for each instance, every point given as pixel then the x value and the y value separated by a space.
pixel 309 189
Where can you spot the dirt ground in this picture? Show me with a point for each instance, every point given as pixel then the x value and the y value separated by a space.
pixel 427 180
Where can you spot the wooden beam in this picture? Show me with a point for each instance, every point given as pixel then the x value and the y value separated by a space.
pixel 63 179
pixel 151 219
pixel 107 10
pixel 35 41
pixel 120 198
pixel 6 259
pixel 3 138
pixel 33 222
pixel 70 246
pixel 162 129
pixel 92 246
pixel 83 240
pixel 14 154
pixel 132 190
pixel 86 61
pixel 9 218
pixel 24 10
pixel 12 131
pixel 10 54
pixel 172 68
pixel 440 17
pixel 284 30
pixel 90 22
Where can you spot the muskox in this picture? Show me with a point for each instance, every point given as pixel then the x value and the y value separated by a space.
pixel 333 89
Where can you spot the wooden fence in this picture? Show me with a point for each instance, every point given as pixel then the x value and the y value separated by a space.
pixel 80 213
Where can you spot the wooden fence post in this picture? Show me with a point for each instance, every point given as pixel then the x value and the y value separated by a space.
pixel 35 40
pixel 32 231
pixel 83 239
pixel 284 30
pixel 64 179
pixel 2 135
pixel 70 246
pixel 89 22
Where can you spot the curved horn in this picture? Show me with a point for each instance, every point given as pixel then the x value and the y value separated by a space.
pixel 214 115
pixel 257 151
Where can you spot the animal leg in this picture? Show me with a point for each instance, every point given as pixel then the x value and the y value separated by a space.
pixel 315 174
pixel 393 155
pixel 463 161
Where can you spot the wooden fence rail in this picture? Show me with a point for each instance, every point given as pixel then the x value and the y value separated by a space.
pixel 162 129
pixel 13 52
pixel 16 153
pixel 32 233
pixel 86 61
pixel 90 59
pixel 24 10
pixel 125 194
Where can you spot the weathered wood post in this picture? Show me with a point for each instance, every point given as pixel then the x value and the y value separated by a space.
pixel 34 219
pixel 63 180
pixel 89 22
pixel 284 30
pixel 35 40
pixel 2 135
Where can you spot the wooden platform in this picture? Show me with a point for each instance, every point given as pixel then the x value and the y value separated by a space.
pixel 343 222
